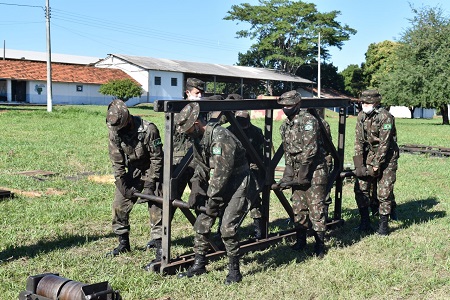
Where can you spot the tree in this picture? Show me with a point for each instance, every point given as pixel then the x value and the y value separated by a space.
pixel 123 89
pixel 354 80
pixel 379 61
pixel 420 76
pixel 286 33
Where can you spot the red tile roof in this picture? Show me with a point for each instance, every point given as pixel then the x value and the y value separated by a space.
pixel 32 70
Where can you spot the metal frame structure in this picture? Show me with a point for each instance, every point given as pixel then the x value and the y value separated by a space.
pixel 169 265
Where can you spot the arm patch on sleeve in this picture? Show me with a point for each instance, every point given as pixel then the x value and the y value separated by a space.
pixel 157 142
pixel 387 126
pixel 217 151
pixel 308 126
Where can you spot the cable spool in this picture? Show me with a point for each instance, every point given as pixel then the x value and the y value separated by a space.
pixel 72 291
pixel 50 286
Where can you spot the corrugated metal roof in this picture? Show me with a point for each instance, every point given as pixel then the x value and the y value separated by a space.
pixel 169 65
pixel 42 56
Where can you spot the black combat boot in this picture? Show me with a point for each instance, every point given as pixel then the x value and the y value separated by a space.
pixel 257 224
pixel 124 245
pixel 198 268
pixel 234 274
pixel 300 244
pixel 383 226
pixel 151 244
pixel 158 256
pixel 319 247
pixel 365 220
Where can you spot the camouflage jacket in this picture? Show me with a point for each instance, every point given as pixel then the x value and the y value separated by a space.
pixel 303 141
pixel 376 136
pixel 137 150
pixel 219 150
pixel 255 137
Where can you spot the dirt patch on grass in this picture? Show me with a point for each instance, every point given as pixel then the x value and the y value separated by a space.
pixel 101 178
pixel 35 194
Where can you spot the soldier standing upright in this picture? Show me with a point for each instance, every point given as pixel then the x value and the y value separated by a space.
pixel 376 159
pixel 228 187
pixel 136 154
pixel 306 170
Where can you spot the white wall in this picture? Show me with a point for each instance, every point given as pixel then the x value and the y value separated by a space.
pixel 419 113
pixel 66 93
pixel 165 91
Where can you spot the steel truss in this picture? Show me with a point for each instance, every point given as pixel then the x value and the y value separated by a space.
pixel 169 265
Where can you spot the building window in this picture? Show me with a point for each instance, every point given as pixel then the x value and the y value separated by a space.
pixel 174 81
pixel 157 80
pixel 79 88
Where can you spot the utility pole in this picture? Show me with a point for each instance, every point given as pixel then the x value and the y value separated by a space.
pixel 49 59
pixel 318 69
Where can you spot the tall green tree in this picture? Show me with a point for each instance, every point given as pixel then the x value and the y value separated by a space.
pixel 354 80
pixel 421 74
pixel 123 89
pixel 286 33
pixel 379 61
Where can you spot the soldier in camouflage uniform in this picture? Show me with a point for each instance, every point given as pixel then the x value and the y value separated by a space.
pixel 136 153
pixel 256 138
pixel 229 187
pixel 376 156
pixel 306 170
pixel 181 145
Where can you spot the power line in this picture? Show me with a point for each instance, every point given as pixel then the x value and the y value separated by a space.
pixel 25 5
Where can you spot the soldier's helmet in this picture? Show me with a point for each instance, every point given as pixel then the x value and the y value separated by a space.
pixel 370 96
pixel 290 98
pixel 234 97
pixel 187 117
pixel 117 115
pixel 194 83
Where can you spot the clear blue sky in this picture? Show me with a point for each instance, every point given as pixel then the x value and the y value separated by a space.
pixel 192 30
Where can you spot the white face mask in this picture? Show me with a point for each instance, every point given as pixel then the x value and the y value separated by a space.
pixel 193 98
pixel 367 108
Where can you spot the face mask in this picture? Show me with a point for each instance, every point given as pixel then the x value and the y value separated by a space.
pixel 193 98
pixel 291 111
pixel 367 108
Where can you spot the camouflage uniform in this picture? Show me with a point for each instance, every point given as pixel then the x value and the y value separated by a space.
pixel 256 138
pixel 221 164
pixel 137 158
pixel 228 186
pixel 136 154
pixel 302 145
pixel 376 140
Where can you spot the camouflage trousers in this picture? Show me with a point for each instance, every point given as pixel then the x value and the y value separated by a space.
pixel 234 211
pixel 121 209
pixel 308 207
pixel 384 185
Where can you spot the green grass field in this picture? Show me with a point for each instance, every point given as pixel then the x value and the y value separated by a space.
pixel 61 223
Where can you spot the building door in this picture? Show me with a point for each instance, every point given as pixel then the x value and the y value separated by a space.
pixel 18 91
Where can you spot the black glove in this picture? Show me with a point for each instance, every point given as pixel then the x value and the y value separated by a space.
pixel 371 172
pixel 288 174
pixel 212 208
pixel 149 188
pixel 303 179
pixel 197 194
pixel 124 189
pixel 360 168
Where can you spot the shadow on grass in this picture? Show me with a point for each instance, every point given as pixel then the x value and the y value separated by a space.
pixel 411 212
pixel 30 251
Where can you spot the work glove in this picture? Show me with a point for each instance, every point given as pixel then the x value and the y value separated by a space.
pixel 212 207
pixel 287 179
pixel 360 168
pixel 149 188
pixel 124 189
pixel 197 194
pixel 371 172
pixel 303 179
